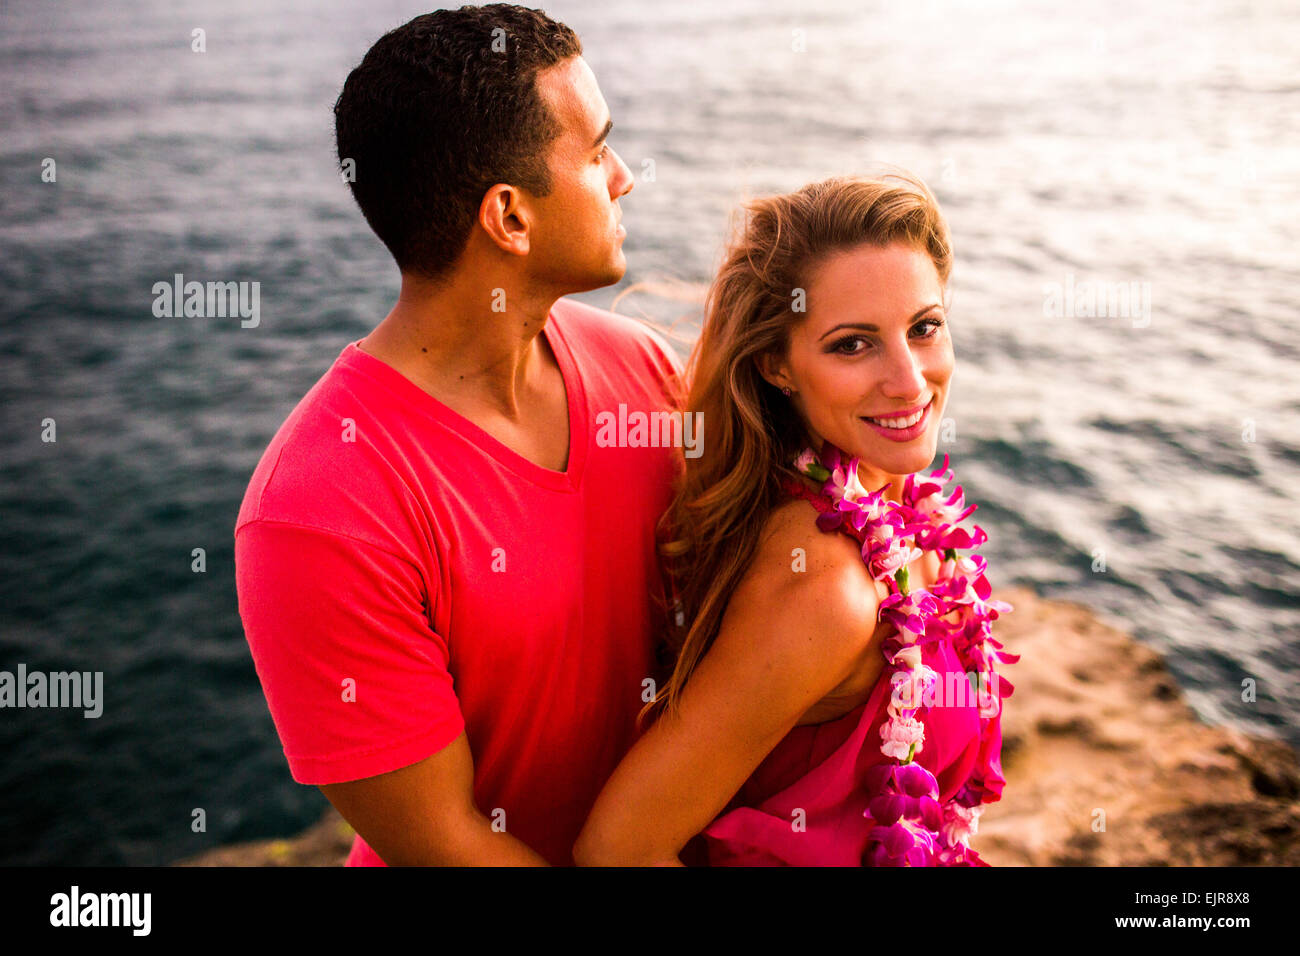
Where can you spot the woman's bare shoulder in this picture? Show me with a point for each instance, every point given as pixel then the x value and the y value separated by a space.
pixel 791 538
pixel 801 572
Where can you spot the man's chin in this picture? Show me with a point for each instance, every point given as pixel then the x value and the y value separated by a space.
pixel 610 275
pixel 617 267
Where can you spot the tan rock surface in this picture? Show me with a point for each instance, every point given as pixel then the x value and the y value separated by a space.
pixel 1097 723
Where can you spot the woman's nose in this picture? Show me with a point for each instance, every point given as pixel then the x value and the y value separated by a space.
pixel 904 379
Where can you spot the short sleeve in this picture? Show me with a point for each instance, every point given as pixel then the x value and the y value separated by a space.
pixel 671 371
pixel 356 680
pixel 673 360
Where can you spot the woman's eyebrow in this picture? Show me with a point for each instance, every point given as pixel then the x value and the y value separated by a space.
pixel 609 125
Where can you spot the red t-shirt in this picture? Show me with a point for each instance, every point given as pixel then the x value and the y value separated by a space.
pixel 404 576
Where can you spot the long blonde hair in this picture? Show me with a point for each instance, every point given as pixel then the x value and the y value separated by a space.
pixel 711 530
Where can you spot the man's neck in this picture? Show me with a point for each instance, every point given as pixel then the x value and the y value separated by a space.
pixel 466 343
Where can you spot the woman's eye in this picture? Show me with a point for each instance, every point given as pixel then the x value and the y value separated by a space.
pixel 845 346
pixel 601 155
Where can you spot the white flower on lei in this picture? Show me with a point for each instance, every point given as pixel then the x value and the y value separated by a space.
pixel 899 734
pixel 847 483
pixel 959 822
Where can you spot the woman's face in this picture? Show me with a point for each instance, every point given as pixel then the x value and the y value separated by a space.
pixel 874 342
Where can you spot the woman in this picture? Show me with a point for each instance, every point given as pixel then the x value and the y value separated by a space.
pixel 819 710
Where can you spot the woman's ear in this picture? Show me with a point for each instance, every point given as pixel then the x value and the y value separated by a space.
pixel 771 365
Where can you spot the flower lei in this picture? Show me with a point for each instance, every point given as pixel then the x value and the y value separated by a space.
pixel 912 829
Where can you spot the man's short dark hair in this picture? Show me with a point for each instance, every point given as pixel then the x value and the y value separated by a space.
pixel 441 109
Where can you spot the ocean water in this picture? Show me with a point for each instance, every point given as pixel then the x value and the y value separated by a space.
pixel 1150 150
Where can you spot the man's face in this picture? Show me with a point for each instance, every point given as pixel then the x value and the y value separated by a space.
pixel 576 241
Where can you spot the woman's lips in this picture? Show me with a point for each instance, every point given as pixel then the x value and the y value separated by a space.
pixel 904 434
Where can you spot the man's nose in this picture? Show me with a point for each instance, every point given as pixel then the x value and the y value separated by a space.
pixel 623 179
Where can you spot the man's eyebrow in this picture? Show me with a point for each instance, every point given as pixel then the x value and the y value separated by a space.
pixel 874 328
pixel 609 125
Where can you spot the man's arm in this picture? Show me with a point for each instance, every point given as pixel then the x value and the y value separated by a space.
pixel 424 815
pixel 359 688
pixel 785 641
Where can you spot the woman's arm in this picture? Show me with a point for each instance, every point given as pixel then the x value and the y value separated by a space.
pixel 786 640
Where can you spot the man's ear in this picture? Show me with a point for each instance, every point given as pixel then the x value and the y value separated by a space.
pixel 503 216
pixel 771 365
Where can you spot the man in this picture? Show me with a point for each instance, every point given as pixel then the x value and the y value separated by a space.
pixel 448 586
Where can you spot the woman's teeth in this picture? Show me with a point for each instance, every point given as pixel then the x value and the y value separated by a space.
pixel 898 422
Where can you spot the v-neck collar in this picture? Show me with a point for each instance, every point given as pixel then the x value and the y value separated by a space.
pixel 575 397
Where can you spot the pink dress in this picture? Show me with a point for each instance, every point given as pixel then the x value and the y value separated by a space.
pixel 804 804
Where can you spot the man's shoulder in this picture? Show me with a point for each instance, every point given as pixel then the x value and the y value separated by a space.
pixel 325 462
pixel 614 336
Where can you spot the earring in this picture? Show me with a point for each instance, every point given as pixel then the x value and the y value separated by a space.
pixel 786 390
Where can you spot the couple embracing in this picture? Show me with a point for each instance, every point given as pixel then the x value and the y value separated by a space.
pixel 491 639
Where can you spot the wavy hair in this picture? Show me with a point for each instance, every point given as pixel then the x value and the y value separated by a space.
pixel 711 530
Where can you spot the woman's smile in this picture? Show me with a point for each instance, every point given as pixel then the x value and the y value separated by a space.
pixel 903 428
